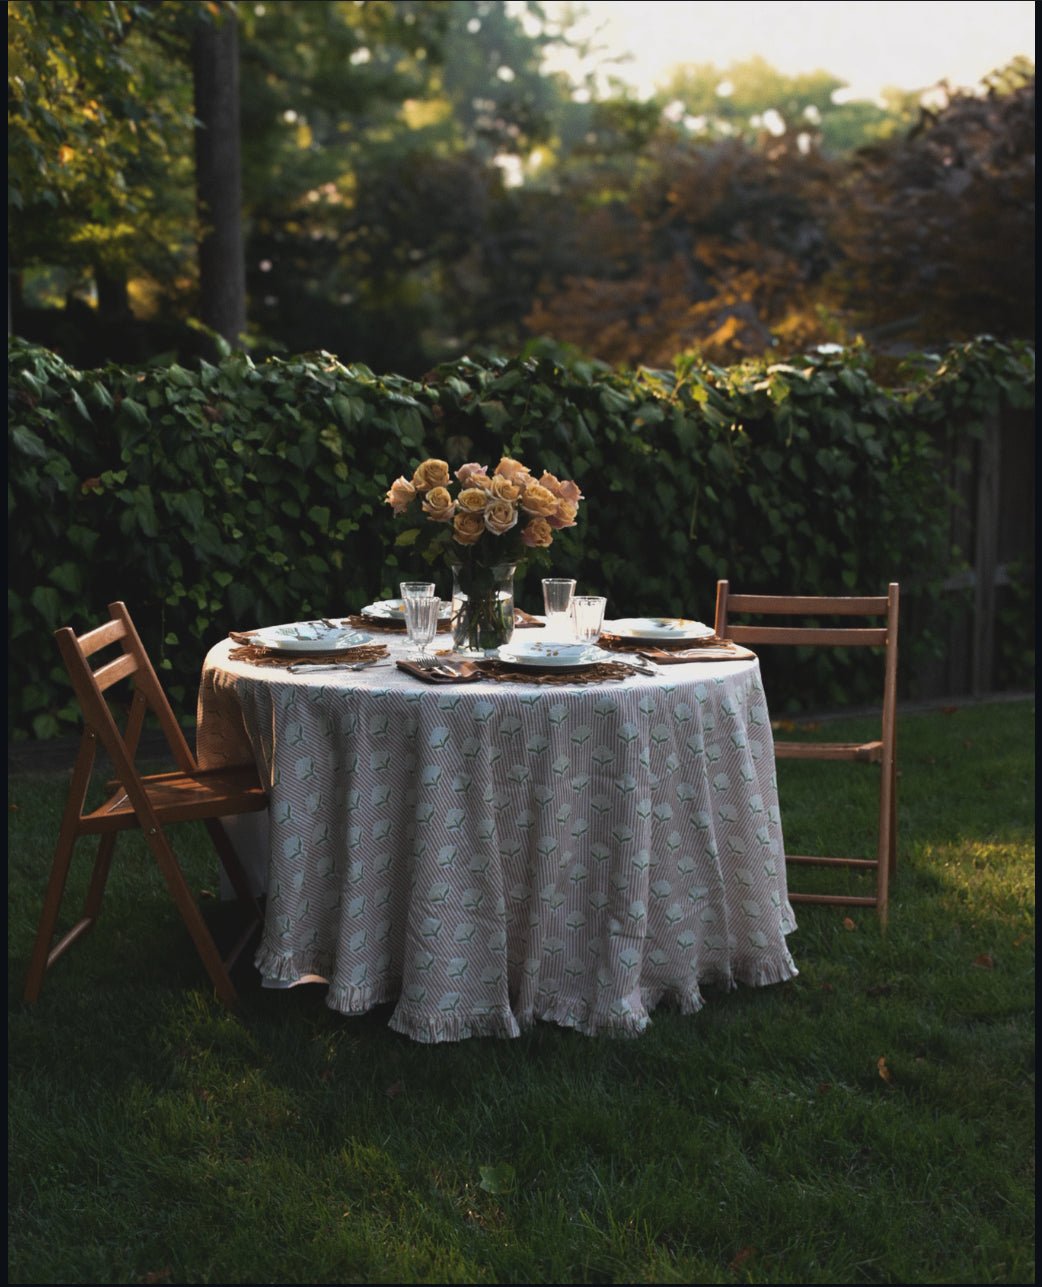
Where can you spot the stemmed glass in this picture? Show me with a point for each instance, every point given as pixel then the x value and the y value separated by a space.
pixel 421 623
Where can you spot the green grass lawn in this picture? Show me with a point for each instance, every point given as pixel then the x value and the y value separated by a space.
pixel 155 1137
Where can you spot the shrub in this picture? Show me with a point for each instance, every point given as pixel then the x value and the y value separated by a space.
pixel 240 494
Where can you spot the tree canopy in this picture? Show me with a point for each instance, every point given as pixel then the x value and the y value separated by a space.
pixel 416 186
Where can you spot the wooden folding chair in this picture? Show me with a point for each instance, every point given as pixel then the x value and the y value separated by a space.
pixel 882 751
pixel 151 802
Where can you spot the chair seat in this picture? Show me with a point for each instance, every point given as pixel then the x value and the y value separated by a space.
pixel 865 752
pixel 183 797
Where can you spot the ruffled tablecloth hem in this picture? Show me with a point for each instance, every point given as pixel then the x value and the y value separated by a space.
pixel 419 1026
pixel 288 969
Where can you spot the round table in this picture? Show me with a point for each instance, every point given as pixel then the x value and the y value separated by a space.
pixel 493 853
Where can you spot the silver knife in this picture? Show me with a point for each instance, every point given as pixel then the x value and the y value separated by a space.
pixel 313 667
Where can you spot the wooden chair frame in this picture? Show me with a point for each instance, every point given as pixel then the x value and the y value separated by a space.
pixel 882 751
pixel 146 802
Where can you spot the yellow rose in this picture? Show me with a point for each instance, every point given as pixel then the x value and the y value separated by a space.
pixel 565 516
pixel 401 495
pixel 438 505
pixel 500 517
pixel 432 473
pixel 566 490
pixel 472 500
pixel 470 475
pixel 467 529
pixel 503 489
pixel 513 470
pixel 537 534
pixel 539 501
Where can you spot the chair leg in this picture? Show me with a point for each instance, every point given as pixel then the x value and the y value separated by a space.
pixel 99 876
pixel 52 901
pixel 190 914
pixel 233 867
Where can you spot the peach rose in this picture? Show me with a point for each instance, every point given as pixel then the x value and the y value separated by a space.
pixel 513 470
pixel 431 473
pixel 500 517
pixel 401 495
pixel 503 489
pixel 566 490
pixel 469 474
pixel 438 505
pixel 473 500
pixel 538 501
pixel 537 534
pixel 467 529
pixel 565 516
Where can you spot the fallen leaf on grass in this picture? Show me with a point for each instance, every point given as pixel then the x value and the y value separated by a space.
pixel 949 710
pixel 824 1087
pixel 849 924
pixel 984 961
pixel 326 1075
pixel 394 1090
pixel 884 1071
pixel 879 990
pixel 157 1275
pixel 827 987
pixel 745 1254
pixel 496 1179
pixel 1021 938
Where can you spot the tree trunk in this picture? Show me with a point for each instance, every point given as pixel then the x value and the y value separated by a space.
pixel 222 269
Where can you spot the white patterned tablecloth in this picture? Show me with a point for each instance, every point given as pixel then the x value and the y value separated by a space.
pixel 490 854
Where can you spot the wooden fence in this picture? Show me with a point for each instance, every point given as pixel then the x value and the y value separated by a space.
pixel 992 524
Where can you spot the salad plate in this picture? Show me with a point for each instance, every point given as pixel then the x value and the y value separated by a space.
pixel 542 655
pixel 309 636
pixel 394 610
pixel 657 629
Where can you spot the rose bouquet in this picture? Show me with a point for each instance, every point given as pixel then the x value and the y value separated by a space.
pixel 492 523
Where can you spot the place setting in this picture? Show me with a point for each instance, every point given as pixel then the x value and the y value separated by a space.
pixel 670 640
pixel 307 645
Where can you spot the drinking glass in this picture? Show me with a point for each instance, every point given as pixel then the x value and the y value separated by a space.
pixel 557 604
pixel 416 589
pixel 421 623
pixel 588 617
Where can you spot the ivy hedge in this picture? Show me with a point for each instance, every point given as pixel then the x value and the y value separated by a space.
pixel 236 494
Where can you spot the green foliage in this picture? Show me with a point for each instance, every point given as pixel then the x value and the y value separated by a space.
pixel 240 494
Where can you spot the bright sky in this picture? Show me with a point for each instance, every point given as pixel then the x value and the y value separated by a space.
pixel 871 44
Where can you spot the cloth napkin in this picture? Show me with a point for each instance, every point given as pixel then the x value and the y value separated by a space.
pixel 717 652
pixel 466 672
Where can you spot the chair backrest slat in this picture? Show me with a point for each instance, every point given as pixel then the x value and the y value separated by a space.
pixel 836 637
pixel 100 637
pixel 113 671
pixel 810 605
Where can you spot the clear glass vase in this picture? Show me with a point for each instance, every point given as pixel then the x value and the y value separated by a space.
pixel 482 608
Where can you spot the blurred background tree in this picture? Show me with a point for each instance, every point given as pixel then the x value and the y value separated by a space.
pixel 414 186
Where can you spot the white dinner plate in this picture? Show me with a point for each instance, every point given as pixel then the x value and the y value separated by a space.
pixel 655 629
pixel 309 636
pixel 542 655
pixel 394 610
